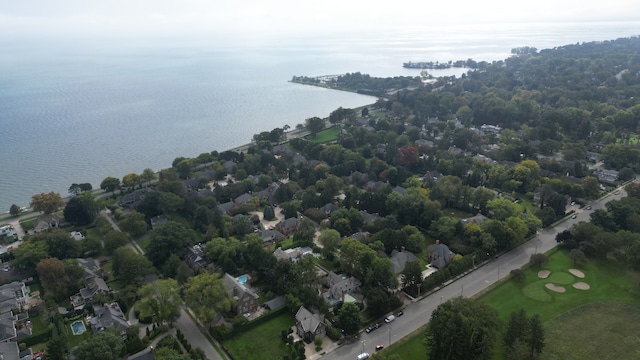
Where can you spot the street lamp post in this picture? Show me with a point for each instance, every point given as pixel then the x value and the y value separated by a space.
pixel 363 341
pixel 389 334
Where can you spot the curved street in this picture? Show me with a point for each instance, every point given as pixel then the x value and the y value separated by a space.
pixel 417 314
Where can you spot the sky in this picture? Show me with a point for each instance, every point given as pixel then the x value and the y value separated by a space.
pixel 283 18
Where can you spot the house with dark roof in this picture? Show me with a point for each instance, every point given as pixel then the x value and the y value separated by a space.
pixel 309 325
pixel 478 219
pixel 157 221
pixel 433 175
pixel 8 327
pixel 133 198
pixel 225 208
pixel 360 235
pixel 228 166
pixel 369 218
pixel 194 257
pixel 327 209
pixel 93 287
pixel 604 175
pixel 375 185
pixel 271 236
pixel 289 226
pixel 243 199
pixel 440 255
pixel 109 316
pixel 275 303
pixel 399 260
pixel 399 189
pixel 268 194
pixel 10 351
pixel 246 299
pixel 281 149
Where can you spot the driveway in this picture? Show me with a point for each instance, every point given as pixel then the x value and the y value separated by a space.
pixel 419 313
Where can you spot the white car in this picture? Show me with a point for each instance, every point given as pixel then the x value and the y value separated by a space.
pixel 389 318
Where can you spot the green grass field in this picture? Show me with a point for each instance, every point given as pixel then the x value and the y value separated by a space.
pixel 326 135
pixel 261 342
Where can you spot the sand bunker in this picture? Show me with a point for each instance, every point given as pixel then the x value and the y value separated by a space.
pixel 553 287
pixel 581 286
pixel 543 274
pixel 577 273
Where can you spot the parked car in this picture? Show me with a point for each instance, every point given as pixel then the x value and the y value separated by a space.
pixel 589 207
pixel 574 216
pixel 369 329
pixel 389 318
pixel 363 356
pixel 399 313
pixel 379 347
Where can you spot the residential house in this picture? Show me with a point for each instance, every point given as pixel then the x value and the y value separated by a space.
pixel 13 296
pixel 8 327
pixel 275 303
pixel 491 129
pixel 247 300
pixel 271 236
pixel 195 258
pixel 225 208
pixel 243 199
pixel 109 316
pixel 433 175
pixel 47 222
pixel 94 287
pixel 76 235
pixel 327 209
pixel 369 218
pixel 478 219
pixel 157 221
pixel 268 194
pixel 604 175
pixel 289 226
pixel 399 259
pixel 341 289
pixel 308 324
pixel 132 199
pixel 228 166
pixel 440 255
pixel 293 255
pixel 399 189
pixel 10 351
pixel 375 185
pixel 360 235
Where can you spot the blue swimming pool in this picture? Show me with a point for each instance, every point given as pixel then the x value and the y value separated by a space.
pixel 243 278
pixel 78 327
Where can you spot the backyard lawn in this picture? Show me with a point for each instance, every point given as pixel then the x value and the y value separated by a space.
pixel 261 342
pixel 326 135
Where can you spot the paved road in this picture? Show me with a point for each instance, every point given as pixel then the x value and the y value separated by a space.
pixel 419 313
pixel 195 337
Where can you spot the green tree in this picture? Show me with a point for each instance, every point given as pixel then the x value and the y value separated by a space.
pixel 28 255
pixel 578 257
pixel 518 329
pixel 110 184
pixel 130 180
pixel 590 187
pixel 148 175
pixel 134 223
pixel 205 294
pixel 130 267
pixel 113 240
pixel 536 340
pixel 57 348
pixel 538 260
pixel 161 300
pixel 47 203
pixel 81 210
pixel 54 277
pixel 314 125
pixel 412 275
pixel 269 214
pixel 330 240
pixel 461 329
pixel 14 210
pixel 170 238
pixel 349 319
pixel 101 346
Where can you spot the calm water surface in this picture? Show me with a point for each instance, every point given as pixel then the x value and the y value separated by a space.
pixel 79 112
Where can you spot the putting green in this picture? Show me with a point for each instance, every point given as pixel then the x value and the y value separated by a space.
pixel 536 291
pixel 561 278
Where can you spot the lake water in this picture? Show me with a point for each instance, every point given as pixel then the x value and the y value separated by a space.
pixel 79 112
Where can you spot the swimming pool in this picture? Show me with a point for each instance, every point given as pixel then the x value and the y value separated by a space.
pixel 78 327
pixel 243 278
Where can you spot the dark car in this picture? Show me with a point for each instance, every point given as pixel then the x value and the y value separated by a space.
pixel 379 347
pixel 370 329
pixel 399 313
